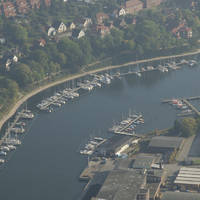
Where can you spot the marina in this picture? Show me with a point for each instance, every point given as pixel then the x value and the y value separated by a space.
pixel 184 105
pixel 93 111
pixel 61 97
pixel 10 141
pixel 127 126
pixel 90 147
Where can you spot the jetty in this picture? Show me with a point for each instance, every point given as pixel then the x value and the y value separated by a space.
pixel 191 106
pixel 182 98
pixel 121 131
pixel 193 109
pixel 12 125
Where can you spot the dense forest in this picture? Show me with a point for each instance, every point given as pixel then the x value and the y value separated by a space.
pixel 149 36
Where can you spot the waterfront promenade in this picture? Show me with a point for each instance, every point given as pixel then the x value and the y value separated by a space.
pixel 79 75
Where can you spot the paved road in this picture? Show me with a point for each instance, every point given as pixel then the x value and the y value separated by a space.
pixel 184 152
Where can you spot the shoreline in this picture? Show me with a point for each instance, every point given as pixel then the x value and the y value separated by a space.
pixel 79 75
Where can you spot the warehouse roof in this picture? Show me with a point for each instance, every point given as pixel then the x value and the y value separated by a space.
pixel 122 185
pixel 189 176
pixel 180 196
pixel 114 143
pixel 143 161
pixel 166 142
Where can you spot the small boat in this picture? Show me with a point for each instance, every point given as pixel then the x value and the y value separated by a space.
pixel 98 138
pixel 5 148
pixel 2 161
pixel 12 147
pixel 3 153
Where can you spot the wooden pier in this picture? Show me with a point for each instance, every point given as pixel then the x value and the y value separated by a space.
pixel 187 98
pixel 191 106
pixel 186 101
pixel 58 98
pixel 122 130
pixel 10 128
pixel 193 98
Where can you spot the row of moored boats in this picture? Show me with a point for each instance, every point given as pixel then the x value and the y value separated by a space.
pixel 61 97
pixel 10 140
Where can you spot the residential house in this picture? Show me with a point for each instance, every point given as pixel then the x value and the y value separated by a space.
pixel 9 9
pixel 47 3
pixel 15 59
pixel 78 33
pixel 71 26
pixel 35 4
pixel 152 3
pixel 133 6
pixel 8 64
pixel 41 42
pixel 121 12
pixel 100 17
pixel 61 27
pixel 102 30
pixel 51 31
pixel 123 23
pixel 9 60
pixel 86 22
pixel 182 31
pixel 22 6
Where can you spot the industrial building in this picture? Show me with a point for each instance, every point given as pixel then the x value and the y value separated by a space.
pixel 163 144
pixel 131 184
pixel 180 196
pixel 114 145
pixel 145 161
pixel 122 185
pixel 188 179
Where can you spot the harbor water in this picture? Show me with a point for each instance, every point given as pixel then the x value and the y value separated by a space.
pixel 47 165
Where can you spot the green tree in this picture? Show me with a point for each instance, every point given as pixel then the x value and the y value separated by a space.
pixel 186 126
pixel 22 75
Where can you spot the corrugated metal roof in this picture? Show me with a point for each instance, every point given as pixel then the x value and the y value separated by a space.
pixel 189 175
pixel 188 172
pixel 190 169
pixel 187 182
pixel 188 179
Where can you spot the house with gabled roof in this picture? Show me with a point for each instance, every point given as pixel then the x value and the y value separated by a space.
pixel 35 4
pixel 77 33
pixel 86 22
pixel 9 9
pixel 47 3
pixel 152 3
pixel 51 31
pixel 100 17
pixel 60 27
pixel 102 30
pixel 22 6
pixel 133 6
pixel 71 26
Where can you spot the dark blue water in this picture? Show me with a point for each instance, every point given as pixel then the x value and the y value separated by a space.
pixel 47 165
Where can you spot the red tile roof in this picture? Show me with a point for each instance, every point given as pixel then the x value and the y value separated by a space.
pixel 47 2
pixel 22 6
pixel 132 3
pixel 9 9
pixel 35 4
